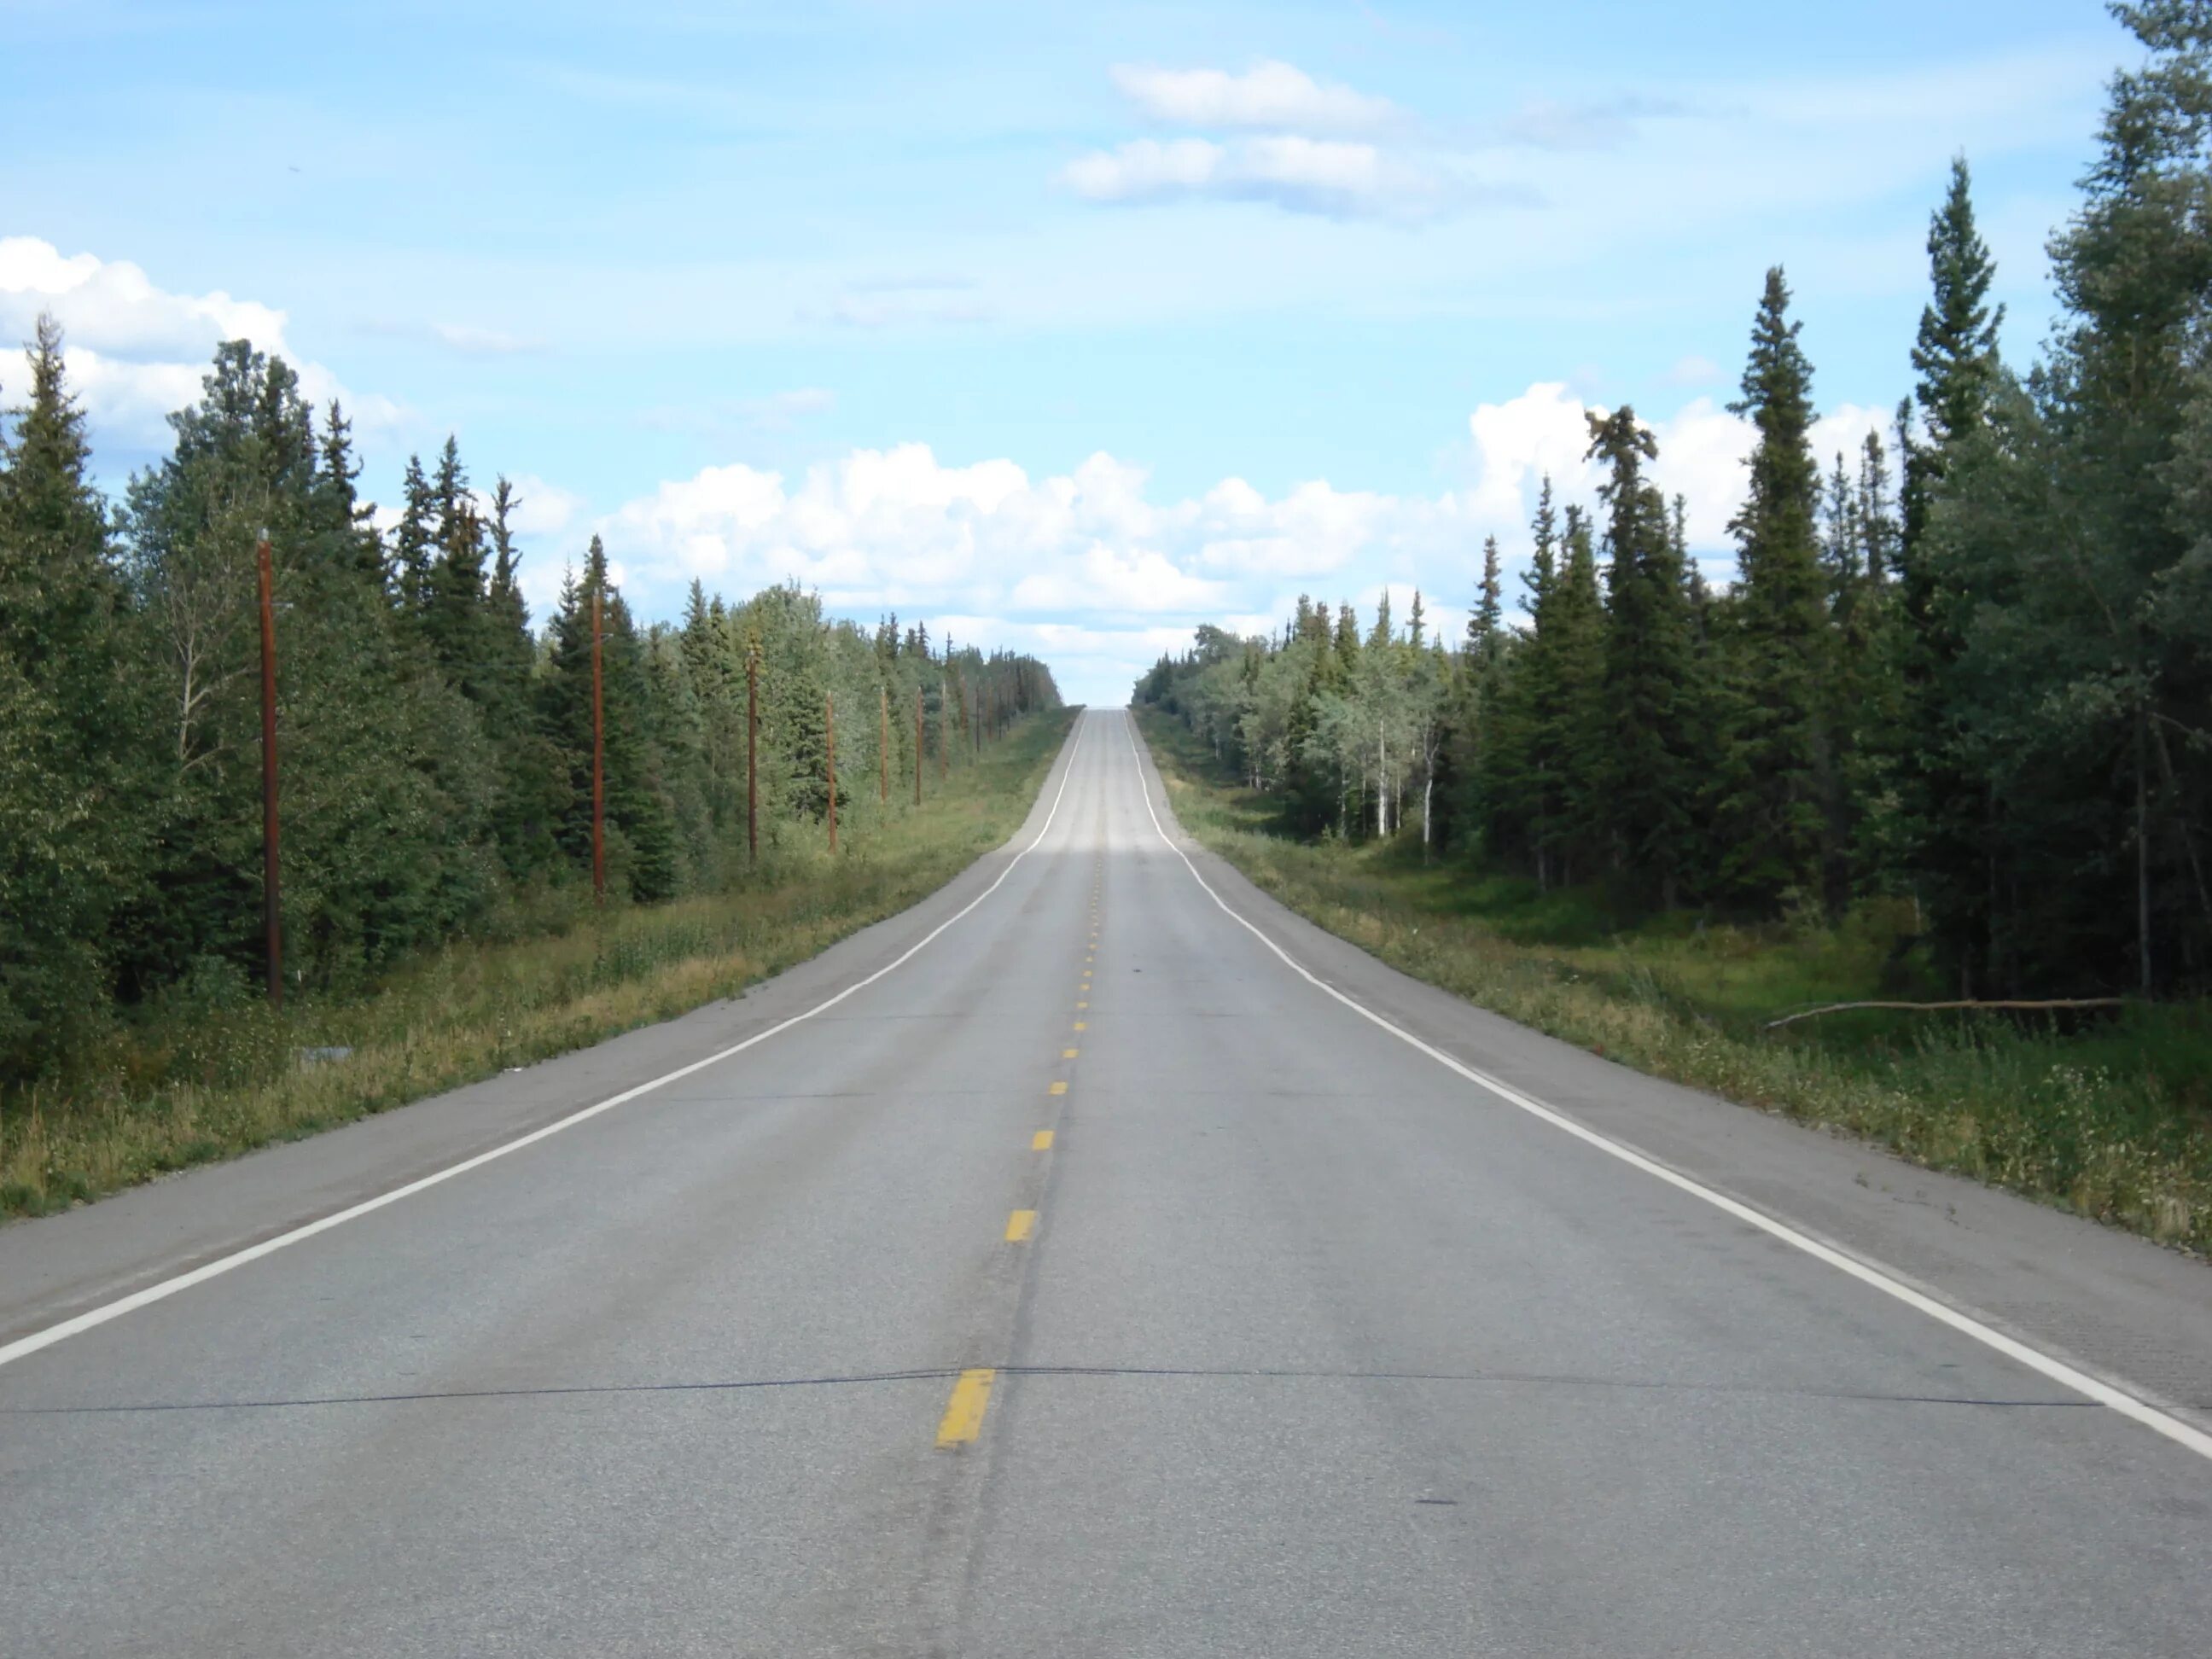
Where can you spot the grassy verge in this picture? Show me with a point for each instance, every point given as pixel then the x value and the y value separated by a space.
pixel 2111 1119
pixel 198 1083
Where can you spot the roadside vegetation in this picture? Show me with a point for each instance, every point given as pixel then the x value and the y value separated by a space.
pixel 208 1069
pixel 453 783
pixel 1941 733
pixel 2107 1115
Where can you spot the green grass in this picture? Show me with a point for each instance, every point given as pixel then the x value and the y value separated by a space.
pixel 215 1073
pixel 2110 1118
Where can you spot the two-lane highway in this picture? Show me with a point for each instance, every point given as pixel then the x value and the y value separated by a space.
pixel 1076 1276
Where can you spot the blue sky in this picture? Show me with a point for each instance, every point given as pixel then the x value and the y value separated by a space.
pixel 1064 328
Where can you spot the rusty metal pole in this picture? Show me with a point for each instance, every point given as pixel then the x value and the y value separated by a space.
pixel 272 922
pixel 884 745
pixel 752 753
pixel 829 713
pixel 598 761
pixel 919 752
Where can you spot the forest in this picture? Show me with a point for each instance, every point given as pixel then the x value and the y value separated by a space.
pixel 1967 669
pixel 435 747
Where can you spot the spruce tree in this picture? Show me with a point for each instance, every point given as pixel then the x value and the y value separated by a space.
pixel 75 811
pixel 414 543
pixel 640 824
pixel 1944 810
pixel 1483 626
pixel 1650 787
pixel 1778 821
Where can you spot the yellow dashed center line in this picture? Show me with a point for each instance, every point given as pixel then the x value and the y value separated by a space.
pixel 1068 1053
pixel 964 1412
pixel 1060 1087
pixel 1041 1141
pixel 1019 1225
pixel 1082 1024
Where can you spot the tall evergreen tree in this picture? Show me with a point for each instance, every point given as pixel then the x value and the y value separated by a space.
pixel 639 825
pixel 1945 811
pixel 74 814
pixel 1786 792
pixel 1650 789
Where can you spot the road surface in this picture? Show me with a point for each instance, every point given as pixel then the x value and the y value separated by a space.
pixel 1086 1280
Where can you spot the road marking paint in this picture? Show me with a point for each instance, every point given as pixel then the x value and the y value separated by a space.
pixel 1019 1225
pixel 1082 1024
pixel 1082 1005
pixel 92 1318
pixel 1059 1089
pixel 964 1412
pixel 1068 1053
pixel 1041 1141
pixel 1885 1279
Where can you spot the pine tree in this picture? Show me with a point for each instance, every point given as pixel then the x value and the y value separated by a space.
pixel 354 540
pixel 2063 545
pixel 1483 626
pixel 639 825
pixel 1955 354
pixel 1650 787
pixel 1944 810
pixel 1518 798
pixel 1779 820
pixel 414 542
pixel 1581 731
pixel 74 813
pixel 453 616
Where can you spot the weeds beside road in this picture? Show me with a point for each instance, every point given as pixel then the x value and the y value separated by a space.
pixel 2112 1119
pixel 216 1073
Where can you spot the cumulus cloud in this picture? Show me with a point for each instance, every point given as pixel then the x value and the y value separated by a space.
pixel 1273 96
pixel 1091 570
pixel 1336 178
pixel 135 351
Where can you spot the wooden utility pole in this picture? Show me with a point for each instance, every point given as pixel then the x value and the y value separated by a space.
pixel 272 923
pixel 883 745
pixel 598 761
pixel 918 753
pixel 752 752
pixel 829 712
pixel 944 726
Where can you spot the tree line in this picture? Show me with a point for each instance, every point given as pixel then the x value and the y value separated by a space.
pixel 1969 667
pixel 436 750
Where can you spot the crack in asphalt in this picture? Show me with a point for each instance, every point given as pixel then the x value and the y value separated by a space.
pixel 938 1373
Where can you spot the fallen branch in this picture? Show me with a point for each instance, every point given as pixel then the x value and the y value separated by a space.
pixel 2057 1002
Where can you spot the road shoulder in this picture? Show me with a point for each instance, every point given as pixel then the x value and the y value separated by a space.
pixel 2116 1306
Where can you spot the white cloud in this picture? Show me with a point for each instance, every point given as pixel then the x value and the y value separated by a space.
pixel 1273 96
pixel 1090 570
pixel 113 307
pixel 136 352
pixel 1694 371
pixel 1336 178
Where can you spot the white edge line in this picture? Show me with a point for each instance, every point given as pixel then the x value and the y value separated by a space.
pixel 2127 1405
pixel 93 1317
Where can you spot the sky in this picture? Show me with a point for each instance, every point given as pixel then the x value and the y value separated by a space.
pixel 1062 328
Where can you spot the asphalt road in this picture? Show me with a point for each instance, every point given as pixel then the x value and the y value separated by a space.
pixel 1091 1282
